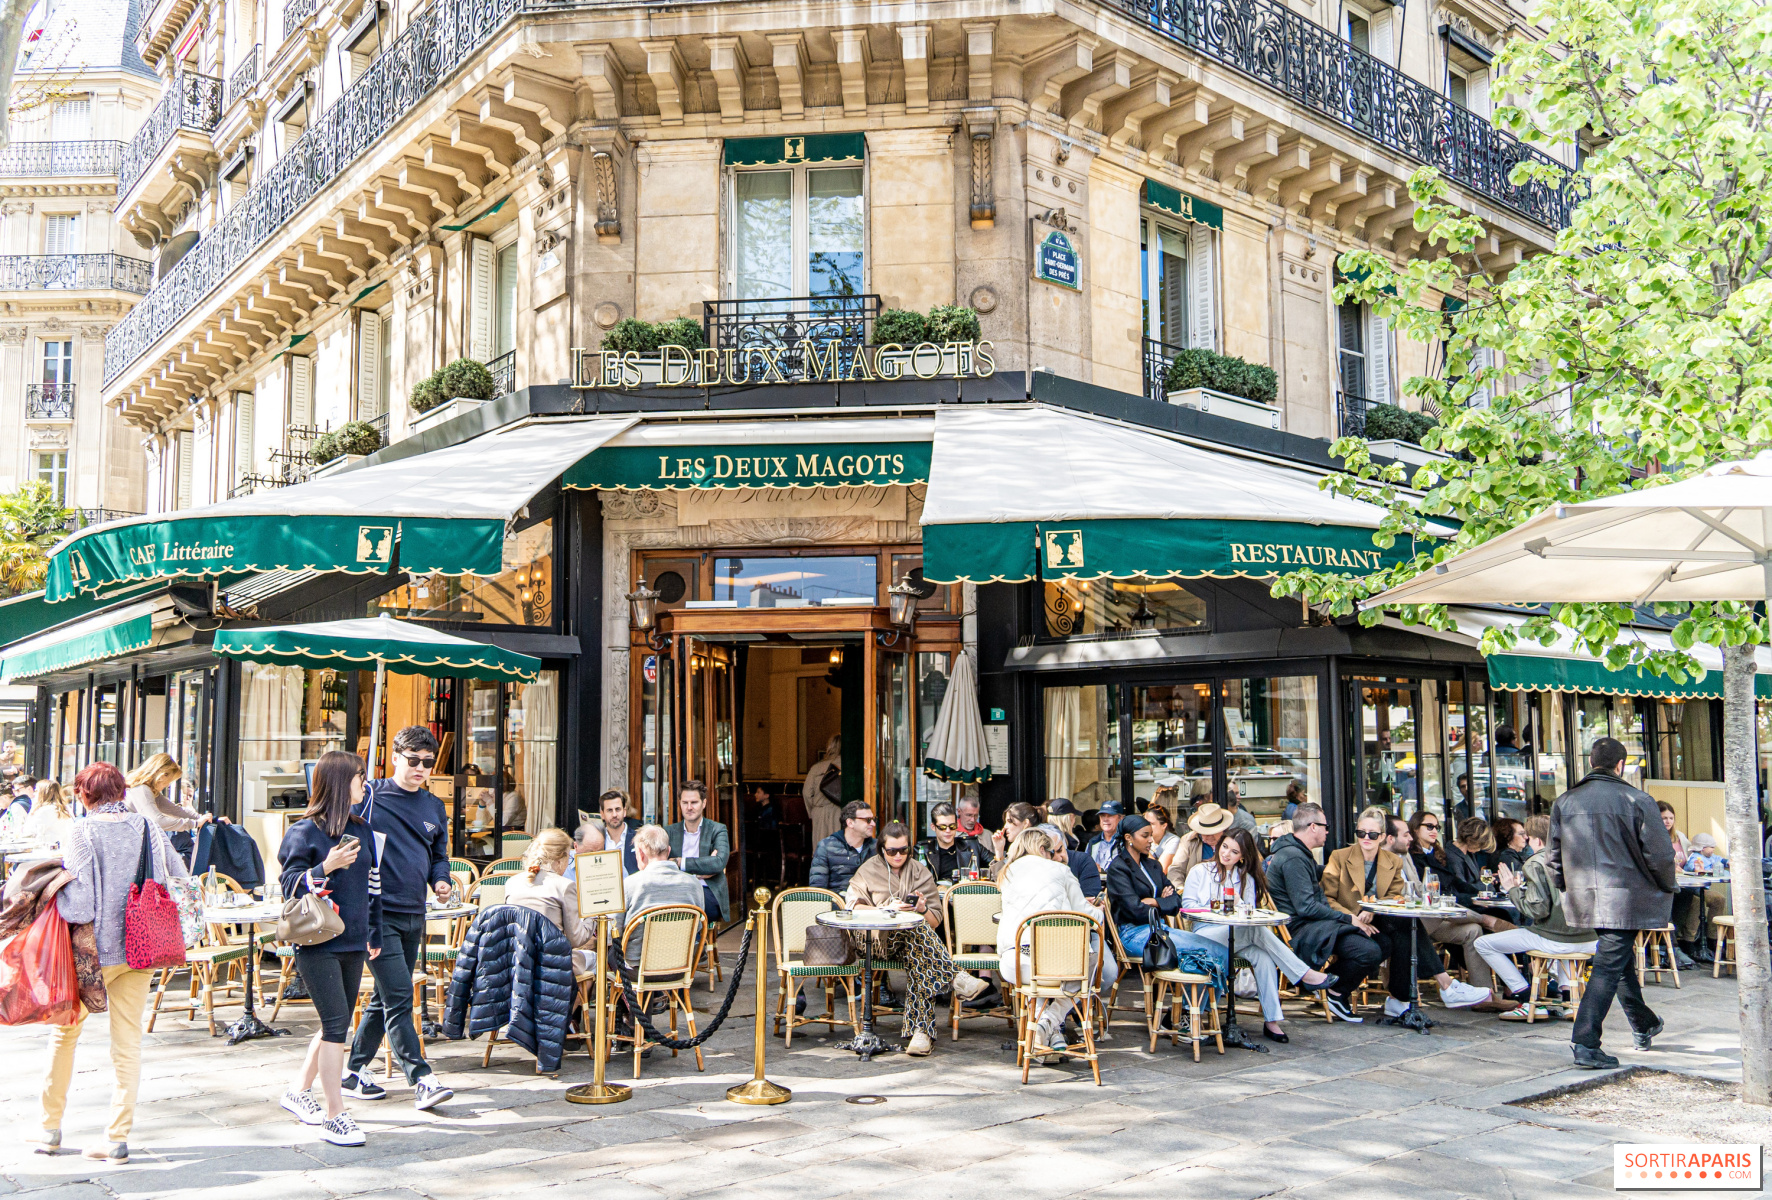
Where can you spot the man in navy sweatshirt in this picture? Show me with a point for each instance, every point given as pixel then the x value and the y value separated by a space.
pixel 414 863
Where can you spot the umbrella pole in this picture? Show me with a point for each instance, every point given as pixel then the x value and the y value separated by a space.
pixel 381 676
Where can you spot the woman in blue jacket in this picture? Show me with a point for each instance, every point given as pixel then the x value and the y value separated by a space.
pixel 323 854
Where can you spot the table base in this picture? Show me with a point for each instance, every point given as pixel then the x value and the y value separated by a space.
pixel 248 1026
pixel 1233 1032
pixel 1410 1018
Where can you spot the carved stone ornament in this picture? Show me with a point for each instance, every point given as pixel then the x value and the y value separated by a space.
pixel 550 239
pixel 49 437
pixel 13 336
pixel 984 198
pixel 606 314
pixel 983 298
pixel 608 202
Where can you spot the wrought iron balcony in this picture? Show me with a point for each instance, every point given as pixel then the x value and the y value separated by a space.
pixel 1309 64
pixel 68 272
pixel 60 158
pixel 244 78
pixel 1350 413
pixel 80 518
pixel 296 13
pixel 49 402
pixel 1157 357
pixel 193 101
pixel 431 46
pixel 504 374
pixel 783 322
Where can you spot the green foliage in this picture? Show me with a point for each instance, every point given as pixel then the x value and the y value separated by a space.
pixel 427 393
pixel 32 521
pixel 900 325
pixel 1221 373
pixel 466 379
pixel 953 323
pixel 1387 421
pixel 353 437
pixel 645 337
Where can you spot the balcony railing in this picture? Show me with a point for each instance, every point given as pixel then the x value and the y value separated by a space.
pixel 60 158
pixel 1308 63
pixel 244 78
pixel 1157 357
pixel 192 102
pixel 432 45
pixel 784 322
pixel 80 518
pixel 296 13
pixel 32 272
pixel 1350 413
pixel 504 374
pixel 49 402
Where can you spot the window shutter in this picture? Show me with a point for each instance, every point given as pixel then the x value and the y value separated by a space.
pixel 1477 93
pixel 244 459
pixel 385 373
pixel 186 449
pixel 1481 360
pixel 368 366
pixel 1383 46
pixel 507 300
pixel 1202 273
pixel 480 301
pixel 71 120
pixel 1378 357
pixel 1351 341
pixel 301 390
pixel 59 234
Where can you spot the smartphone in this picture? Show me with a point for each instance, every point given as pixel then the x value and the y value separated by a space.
pixel 348 842
pixel 910 901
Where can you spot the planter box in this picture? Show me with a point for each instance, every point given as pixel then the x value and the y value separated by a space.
pixel 1219 404
pixel 442 413
pixel 1406 452
pixel 336 465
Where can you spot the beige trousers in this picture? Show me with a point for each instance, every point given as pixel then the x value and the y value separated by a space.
pixel 128 994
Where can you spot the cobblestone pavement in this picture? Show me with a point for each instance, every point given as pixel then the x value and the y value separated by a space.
pixel 1344 1110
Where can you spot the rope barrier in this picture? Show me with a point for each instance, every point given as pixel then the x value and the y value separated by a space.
pixel 657 1038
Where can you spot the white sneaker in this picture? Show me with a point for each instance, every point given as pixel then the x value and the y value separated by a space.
pixel 307 1110
pixel 342 1131
pixel 969 987
pixel 1394 1007
pixel 428 1093
pixel 1462 995
pixel 920 1046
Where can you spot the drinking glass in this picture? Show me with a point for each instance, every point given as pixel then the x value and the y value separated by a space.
pixel 1433 891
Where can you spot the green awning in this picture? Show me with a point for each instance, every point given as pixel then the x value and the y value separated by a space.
pixel 30 614
pixel 1188 208
pixel 367 290
pixel 779 151
pixel 478 217
pixel 1549 673
pixel 405 647
pixel 103 636
pixel 777 465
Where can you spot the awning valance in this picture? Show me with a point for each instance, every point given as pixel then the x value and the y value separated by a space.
pixel 782 151
pixel 104 635
pixel 404 647
pixel 1030 492
pixel 446 512
pixel 761 454
pixel 1188 208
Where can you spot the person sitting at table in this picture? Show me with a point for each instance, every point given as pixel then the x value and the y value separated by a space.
pixel 836 859
pixel 1241 818
pixel 1510 845
pixel 1104 844
pixel 589 840
pixel 1238 866
pixel 1702 858
pixel 51 816
pixel 950 853
pixel 1689 902
pixel 1165 843
pixel 1538 898
pixel 1017 819
pixel 542 887
pixel 1367 871
pixel 658 881
pixel 1062 813
pixel 1205 827
pixel 892 879
pixel 1036 878
pixel 1459 877
pixel 970 825
pixel 1446 931
pixel 1319 930
pixel 1296 793
pixel 1141 896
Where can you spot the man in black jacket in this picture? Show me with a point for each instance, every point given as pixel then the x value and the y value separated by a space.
pixel 1613 860
pixel 951 853
pixel 1318 928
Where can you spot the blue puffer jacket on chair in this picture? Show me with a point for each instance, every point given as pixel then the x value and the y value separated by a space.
pixel 514 973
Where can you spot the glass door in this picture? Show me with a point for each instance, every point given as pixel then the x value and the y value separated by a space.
pixel 890 700
pixel 1171 738
pixel 654 698
pixel 1384 743
pixel 479 782
pixel 710 747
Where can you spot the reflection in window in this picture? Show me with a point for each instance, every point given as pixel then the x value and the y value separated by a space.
pixel 532 753
pixel 1172 736
pixel 764 234
pixel 1080 607
pixel 522 593
pixel 1082 743
pixel 288 716
pixel 834 232
pixel 797 582
pixel 1272 736
pixel 933 668
pixel 1683 739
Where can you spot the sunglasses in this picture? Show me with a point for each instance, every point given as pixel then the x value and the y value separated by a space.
pixel 1366 835
pixel 420 760
pixel 1433 825
pixel 898 852
pixel 946 828
pixel 868 820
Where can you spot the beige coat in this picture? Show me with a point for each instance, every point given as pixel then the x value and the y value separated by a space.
pixel 554 897
pixel 162 812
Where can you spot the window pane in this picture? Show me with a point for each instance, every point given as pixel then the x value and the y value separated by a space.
pixel 521 594
pixel 1076 608
pixel 480 768
pixel 1083 744
pixel 1172 286
pixel 1272 736
pixel 532 724
pixel 796 582
pixel 764 234
pixel 933 670
pixel 1683 734
pixel 1172 735
pixel 1508 761
pixel 288 715
pixel 834 232
pixel 1627 727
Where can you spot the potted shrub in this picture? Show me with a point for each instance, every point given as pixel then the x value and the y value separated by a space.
pixel 349 443
pixel 1394 432
pixel 1225 386
pixel 647 339
pixel 945 323
pixel 462 385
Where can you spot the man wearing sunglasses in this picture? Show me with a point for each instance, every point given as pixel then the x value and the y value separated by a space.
pixel 950 852
pixel 414 863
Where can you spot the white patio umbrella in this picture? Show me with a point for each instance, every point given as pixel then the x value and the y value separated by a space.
pixel 1705 538
pixel 956 751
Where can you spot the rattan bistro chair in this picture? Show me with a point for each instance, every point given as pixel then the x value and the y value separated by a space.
pixel 1127 965
pixel 972 942
pixel 1058 961
pixel 670 937
pixel 1725 951
pixel 1655 955
pixel 794 910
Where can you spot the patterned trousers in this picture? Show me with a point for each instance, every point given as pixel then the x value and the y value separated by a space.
pixel 929 971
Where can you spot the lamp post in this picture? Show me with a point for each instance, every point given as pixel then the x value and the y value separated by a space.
pixel 901 610
pixel 643 616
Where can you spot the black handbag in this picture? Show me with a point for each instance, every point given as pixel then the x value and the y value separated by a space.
pixel 1159 951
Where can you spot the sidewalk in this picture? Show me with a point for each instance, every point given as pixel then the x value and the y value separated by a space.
pixel 1343 1110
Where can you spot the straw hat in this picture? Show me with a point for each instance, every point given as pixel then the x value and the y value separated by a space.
pixel 1210 819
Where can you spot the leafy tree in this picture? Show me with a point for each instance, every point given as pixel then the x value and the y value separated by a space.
pixel 32 521
pixel 1638 349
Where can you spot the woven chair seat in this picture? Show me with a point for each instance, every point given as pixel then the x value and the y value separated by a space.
pixel 806 971
pixel 1181 977
pixel 215 954
pixel 977 962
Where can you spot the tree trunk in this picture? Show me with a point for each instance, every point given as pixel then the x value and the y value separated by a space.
pixel 1753 954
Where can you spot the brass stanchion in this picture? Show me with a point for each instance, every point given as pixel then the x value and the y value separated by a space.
pixel 597 1091
pixel 759 1090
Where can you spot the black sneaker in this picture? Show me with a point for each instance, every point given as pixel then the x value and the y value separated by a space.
pixel 1592 1058
pixel 1342 1010
pixel 357 1084
pixel 1647 1036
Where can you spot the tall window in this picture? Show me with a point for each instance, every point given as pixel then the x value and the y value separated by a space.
pixel 1164 264
pixel 61 233
pixel 504 323
pixel 71 120
pixel 52 468
pixel 58 366
pixel 799 231
pixel 1363 353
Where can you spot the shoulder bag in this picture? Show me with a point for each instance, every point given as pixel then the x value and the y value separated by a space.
pixel 152 935
pixel 309 920
pixel 827 946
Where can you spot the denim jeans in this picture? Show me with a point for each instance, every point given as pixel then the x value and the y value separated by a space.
pixel 1134 937
pixel 402 946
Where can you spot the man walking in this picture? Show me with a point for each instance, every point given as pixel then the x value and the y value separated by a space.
pixel 414 862
pixel 1610 856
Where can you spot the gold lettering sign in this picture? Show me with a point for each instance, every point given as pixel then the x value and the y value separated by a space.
pixel 807 361
pixel 1283 554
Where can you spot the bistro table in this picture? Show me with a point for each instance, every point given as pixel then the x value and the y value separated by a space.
pixel 1258 919
pixel 1412 1017
pixel 260 912
pixel 1687 880
pixel 868 921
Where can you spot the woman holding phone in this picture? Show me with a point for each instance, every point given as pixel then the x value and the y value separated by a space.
pixel 324 853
